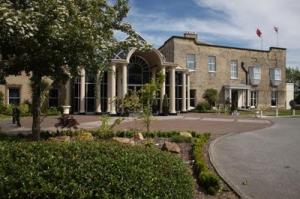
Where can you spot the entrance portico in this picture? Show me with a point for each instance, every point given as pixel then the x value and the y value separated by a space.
pixel 130 71
pixel 238 95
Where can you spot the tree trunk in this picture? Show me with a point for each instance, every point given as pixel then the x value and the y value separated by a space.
pixel 36 105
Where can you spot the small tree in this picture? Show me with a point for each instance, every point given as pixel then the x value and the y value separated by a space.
pixel 131 103
pixel 148 97
pixel 211 96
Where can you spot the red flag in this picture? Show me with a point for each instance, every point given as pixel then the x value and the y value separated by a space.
pixel 258 32
pixel 276 29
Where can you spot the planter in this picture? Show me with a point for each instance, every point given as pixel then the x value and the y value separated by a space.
pixel 66 110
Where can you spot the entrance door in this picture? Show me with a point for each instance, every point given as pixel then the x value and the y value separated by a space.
pixel 235 99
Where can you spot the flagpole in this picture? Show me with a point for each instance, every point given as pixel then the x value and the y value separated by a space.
pixel 277 39
pixel 261 43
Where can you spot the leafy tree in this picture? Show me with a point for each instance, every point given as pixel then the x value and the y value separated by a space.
pixel 211 96
pixel 53 38
pixel 292 75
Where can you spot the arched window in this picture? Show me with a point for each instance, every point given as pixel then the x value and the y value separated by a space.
pixel 138 71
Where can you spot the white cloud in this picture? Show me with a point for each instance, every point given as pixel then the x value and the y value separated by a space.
pixel 242 19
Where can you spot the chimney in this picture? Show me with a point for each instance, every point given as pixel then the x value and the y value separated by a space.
pixel 192 35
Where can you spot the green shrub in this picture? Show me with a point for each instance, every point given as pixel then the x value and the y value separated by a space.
pixel 181 139
pixel 53 111
pixel 8 109
pixel 207 179
pixel 90 170
pixel 210 182
pixel 211 96
pixel 202 107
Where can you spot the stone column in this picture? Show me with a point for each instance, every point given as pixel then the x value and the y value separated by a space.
pixel 188 92
pixel 98 94
pixel 124 79
pixel 163 89
pixel 119 83
pixel 230 96
pixel 183 108
pixel 248 98
pixel 82 91
pixel 112 90
pixel 172 91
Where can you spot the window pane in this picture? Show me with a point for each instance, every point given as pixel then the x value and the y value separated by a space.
pixel 277 74
pixel 257 73
pixel 190 61
pixel 234 69
pixel 274 98
pixel 14 96
pixel 212 64
pixel 193 97
pixel 53 97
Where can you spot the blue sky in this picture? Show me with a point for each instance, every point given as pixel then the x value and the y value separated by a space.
pixel 225 22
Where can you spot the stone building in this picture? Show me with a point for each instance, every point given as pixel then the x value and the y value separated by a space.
pixel 247 78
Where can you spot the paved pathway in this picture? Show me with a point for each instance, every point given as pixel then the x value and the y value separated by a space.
pixel 264 163
pixel 215 124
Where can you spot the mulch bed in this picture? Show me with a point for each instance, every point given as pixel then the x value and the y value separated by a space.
pixel 225 191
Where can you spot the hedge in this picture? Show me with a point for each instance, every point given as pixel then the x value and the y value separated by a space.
pixel 127 133
pixel 90 170
pixel 208 180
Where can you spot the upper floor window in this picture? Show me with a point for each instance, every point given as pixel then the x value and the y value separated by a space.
pixel 211 64
pixel 191 61
pixel 14 96
pixel 276 74
pixel 234 69
pixel 257 73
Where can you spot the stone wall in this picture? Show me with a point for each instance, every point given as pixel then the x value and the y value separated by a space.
pixel 201 79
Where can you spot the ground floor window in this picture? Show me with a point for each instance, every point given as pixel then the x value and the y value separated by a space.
pixel 193 97
pixel 253 99
pixel 53 97
pixel 14 96
pixel 274 98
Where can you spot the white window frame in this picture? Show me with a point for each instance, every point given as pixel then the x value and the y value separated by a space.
pixel 274 97
pixel 257 73
pixel 233 69
pixel 211 63
pixel 277 74
pixel 253 99
pixel 191 61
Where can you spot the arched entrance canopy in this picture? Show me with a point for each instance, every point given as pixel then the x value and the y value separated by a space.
pixel 153 57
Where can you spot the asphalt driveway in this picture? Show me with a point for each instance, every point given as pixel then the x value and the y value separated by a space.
pixel 263 163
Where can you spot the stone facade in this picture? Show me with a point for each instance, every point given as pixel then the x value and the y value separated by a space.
pixel 171 59
pixel 176 49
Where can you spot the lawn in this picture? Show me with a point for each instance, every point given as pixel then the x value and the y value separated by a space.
pixel 4 117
